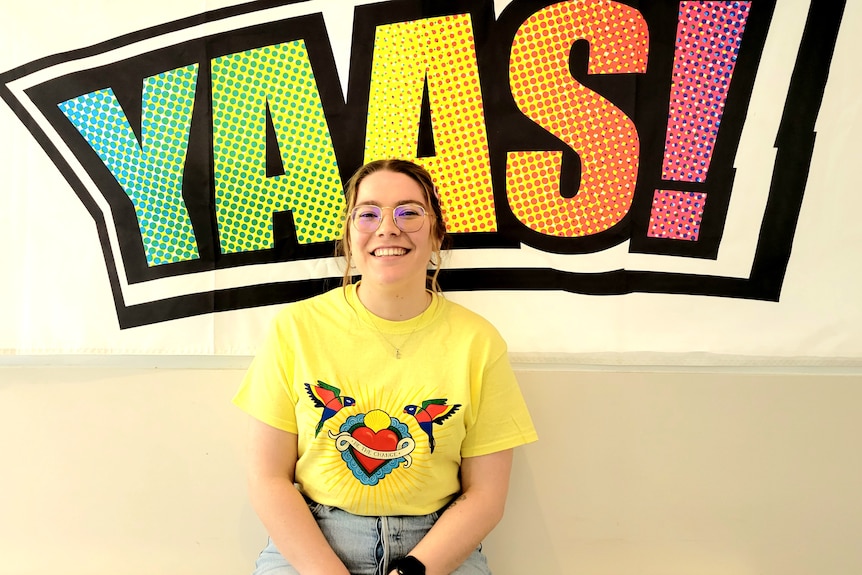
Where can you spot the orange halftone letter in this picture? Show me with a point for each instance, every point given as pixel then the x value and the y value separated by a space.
pixel 604 138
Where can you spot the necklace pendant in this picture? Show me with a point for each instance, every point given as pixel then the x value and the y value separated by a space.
pixel 397 353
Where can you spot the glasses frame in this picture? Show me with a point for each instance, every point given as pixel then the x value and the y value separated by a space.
pixel 394 209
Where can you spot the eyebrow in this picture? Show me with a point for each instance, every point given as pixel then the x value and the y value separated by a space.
pixel 399 203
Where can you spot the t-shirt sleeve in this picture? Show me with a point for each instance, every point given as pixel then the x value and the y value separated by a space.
pixel 502 418
pixel 266 392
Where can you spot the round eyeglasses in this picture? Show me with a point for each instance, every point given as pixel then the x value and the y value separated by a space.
pixel 408 217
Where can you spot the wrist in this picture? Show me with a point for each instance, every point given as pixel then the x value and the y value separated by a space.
pixel 408 566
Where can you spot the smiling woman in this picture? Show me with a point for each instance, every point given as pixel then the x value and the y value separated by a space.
pixel 367 462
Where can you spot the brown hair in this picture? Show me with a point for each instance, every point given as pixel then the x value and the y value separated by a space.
pixel 418 174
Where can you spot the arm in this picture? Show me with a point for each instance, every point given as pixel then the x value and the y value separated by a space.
pixel 281 508
pixel 466 522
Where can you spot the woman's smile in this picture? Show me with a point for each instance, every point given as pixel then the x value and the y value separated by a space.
pixel 384 252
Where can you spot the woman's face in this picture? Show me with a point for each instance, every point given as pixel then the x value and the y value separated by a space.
pixel 389 256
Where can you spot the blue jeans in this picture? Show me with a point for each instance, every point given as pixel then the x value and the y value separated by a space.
pixel 367 545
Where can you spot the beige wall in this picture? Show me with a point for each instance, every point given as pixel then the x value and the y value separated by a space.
pixel 111 470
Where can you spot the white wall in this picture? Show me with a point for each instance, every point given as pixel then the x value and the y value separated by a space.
pixel 140 471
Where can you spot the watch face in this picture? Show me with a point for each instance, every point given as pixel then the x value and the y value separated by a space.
pixel 410 566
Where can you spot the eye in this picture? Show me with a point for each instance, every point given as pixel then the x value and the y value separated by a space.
pixel 409 211
pixel 366 214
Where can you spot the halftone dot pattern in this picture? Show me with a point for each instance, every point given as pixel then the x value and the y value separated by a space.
pixel 604 138
pixel 243 85
pixel 150 173
pixel 676 215
pixel 707 43
pixel 443 50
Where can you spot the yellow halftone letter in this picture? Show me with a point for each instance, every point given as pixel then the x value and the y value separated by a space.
pixel 442 52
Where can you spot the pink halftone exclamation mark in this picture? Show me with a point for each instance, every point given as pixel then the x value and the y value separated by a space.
pixel 708 36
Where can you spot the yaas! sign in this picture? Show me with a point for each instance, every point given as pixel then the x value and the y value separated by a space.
pixel 221 143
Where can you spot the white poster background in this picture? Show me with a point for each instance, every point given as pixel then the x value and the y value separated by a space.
pixel 55 298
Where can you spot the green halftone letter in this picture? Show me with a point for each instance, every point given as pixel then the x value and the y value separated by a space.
pixel 245 84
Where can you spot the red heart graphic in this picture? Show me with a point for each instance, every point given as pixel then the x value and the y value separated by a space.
pixel 383 440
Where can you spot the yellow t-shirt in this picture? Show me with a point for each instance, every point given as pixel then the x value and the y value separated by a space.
pixel 377 434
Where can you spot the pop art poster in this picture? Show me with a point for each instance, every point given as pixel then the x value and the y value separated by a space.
pixel 624 182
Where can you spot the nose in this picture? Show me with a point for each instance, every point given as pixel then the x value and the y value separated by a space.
pixel 387 224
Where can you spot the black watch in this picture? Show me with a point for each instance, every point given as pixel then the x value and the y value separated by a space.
pixel 409 566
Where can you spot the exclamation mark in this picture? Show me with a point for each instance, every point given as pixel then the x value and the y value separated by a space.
pixel 708 36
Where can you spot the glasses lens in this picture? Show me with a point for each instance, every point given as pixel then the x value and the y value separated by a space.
pixel 367 218
pixel 409 217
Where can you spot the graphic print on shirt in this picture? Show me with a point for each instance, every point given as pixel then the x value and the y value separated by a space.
pixel 431 411
pixel 373 444
pixel 328 398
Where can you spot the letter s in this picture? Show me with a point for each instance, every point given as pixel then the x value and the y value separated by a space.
pixel 600 133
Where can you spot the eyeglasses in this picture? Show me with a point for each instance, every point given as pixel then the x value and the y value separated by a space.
pixel 408 217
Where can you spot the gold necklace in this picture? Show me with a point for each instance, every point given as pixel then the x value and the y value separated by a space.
pixel 397 348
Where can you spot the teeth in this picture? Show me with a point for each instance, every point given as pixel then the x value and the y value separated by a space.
pixel 389 252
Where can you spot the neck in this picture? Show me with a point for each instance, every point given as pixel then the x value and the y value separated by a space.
pixel 393 304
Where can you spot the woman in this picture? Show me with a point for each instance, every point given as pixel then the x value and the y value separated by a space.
pixel 383 415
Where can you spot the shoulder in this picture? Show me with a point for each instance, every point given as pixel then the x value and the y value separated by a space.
pixel 465 314
pixel 474 326
pixel 326 304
